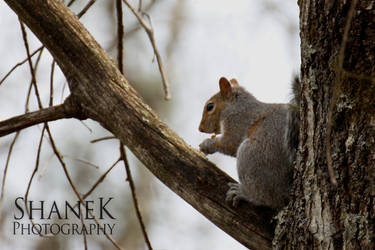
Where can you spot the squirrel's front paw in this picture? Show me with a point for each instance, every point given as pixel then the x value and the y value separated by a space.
pixel 234 194
pixel 208 146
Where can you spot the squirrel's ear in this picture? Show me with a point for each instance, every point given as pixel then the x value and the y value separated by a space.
pixel 225 87
pixel 234 82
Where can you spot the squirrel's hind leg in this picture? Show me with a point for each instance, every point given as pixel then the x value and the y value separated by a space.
pixel 234 194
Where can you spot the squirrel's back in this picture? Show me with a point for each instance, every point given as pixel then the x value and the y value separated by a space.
pixel 264 161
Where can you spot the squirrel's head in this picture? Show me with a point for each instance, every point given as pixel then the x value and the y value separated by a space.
pixel 210 122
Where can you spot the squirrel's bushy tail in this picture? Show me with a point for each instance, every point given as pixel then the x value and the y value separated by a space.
pixel 294 116
pixel 296 90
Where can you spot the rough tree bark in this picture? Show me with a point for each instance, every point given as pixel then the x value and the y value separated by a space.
pixel 100 92
pixel 321 215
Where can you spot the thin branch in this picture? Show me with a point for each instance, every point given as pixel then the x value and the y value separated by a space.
pixel 336 90
pixel 51 83
pixel 32 177
pixel 139 5
pixel 32 71
pixel 120 36
pixel 101 179
pixel 150 33
pixel 131 30
pixel 63 90
pixel 86 8
pixel 29 119
pixel 71 2
pixel 84 231
pixel 19 64
pixel 103 139
pixel 6 170
pixel 86 126
pixel 82 161
pixel 27 109
pixel 31 81
pixel 45 165
pixel 134 196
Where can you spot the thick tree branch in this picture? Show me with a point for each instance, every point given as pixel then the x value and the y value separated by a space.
pixel 105 96
pixel 53 113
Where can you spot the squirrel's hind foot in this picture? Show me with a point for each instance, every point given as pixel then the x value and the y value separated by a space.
pixel 234 194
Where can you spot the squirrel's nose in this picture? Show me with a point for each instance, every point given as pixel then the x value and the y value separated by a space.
pixel 200 128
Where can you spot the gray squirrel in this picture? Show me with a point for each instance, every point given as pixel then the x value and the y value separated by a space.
pixel 262 136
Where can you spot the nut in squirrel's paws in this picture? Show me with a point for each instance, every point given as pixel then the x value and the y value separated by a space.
pixel 234 194
pixel 207 146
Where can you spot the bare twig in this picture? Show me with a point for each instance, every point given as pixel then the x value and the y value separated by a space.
pixel 82 161
pixel 19 64
pixel 175 27
pixel 150 33
pixel 139 5
pixel 31 179
pixel 84 231
pixel 32 82
pixel 120 36
pixel 32 71
pixel 134 196
pixel 86 8
pixel 63 90
pixel 86 126
pixel 71 2
pixel 101 179
pixel 6 170
pixel 51 83
pixel 103 139
pixel 45 165
pixel 335 92
pixel 131 30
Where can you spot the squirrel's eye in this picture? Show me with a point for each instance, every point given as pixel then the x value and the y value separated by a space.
pixel 210 106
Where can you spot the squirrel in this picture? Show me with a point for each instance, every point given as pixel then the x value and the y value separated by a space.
pixel 262 136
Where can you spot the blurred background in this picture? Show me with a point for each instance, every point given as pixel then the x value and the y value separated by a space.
pixel 254 41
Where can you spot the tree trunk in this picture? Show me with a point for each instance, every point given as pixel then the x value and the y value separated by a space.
pixel 338 113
